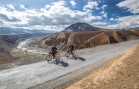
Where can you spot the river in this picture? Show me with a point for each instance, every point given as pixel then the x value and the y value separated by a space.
pixel 23 45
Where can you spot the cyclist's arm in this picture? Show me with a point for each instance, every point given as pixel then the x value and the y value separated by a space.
pixel 50 51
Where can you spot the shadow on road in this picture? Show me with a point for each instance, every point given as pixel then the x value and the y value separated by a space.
pixel 61 62
pixel 79 58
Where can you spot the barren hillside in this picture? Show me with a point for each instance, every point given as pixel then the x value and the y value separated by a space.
pixel 119 73
pixel 6 43
pixel 89 38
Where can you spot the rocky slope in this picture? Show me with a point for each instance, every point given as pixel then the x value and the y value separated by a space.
pixel 119 73
pixel 88 39
pixel 80 27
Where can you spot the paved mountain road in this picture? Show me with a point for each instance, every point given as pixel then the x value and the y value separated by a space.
pixel 36 76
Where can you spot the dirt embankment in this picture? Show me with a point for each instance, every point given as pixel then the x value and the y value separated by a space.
pixel 122 72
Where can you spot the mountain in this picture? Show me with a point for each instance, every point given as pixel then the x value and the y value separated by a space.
pixel 80 27
pixel 88 39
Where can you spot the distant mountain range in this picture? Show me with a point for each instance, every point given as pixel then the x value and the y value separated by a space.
pixel 80 27
pixel 11 31
pixel 135 28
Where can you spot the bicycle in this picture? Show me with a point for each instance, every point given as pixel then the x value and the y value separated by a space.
pixel 50 57
pixel 69 54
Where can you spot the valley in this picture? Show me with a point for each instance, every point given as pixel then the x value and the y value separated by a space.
pixel 25 56
pixel 69 44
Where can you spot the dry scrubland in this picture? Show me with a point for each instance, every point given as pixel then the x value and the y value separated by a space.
pixel 122 72
pixel 6 43
pixel 88 39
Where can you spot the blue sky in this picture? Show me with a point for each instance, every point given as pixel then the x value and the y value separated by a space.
pixel 57 14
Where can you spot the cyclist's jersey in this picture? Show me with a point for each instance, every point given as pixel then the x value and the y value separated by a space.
pixel 53 49
pixel 70 47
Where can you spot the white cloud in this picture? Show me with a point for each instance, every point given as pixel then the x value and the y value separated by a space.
pixel 126 22
pixel 131 5
pixel 104 14
pixel 22 6
pixel 54 16
pixel 90 5
pixel 99 24
pixel 72 2
pixel 104 6
pixel 112 19
pixel 10 6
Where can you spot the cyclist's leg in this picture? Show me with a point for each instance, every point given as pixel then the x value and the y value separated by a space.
pixel 56 58
pixel 72 53
pixel 68 51
pixel 53 54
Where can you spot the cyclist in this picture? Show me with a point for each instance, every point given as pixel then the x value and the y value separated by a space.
pixel 70 49
pixel 53 51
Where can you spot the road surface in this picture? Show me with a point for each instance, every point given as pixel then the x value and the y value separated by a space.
pixel 37 75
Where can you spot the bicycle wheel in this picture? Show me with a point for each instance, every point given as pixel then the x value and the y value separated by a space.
pixel 49 57
pixel 57 56
pixel 67 55
pixel 73 52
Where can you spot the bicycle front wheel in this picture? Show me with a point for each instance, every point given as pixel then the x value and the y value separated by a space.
pixel 57 56
pixel 49 57
pixel 67 55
